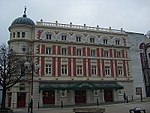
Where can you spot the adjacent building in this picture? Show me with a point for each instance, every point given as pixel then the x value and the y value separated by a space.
pixel 78 64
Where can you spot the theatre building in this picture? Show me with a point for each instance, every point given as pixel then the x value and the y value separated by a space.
pixel 78 64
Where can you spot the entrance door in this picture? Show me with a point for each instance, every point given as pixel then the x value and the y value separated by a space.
pixel 9 99
pixel 108 95
pixel 48 97
pixel 21 100
pixel 80 96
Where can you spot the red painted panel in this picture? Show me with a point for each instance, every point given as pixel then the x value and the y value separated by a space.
pixel 108 95
pixel 69 50
pixel 84 52
pixel 115 53
pixel 124 68
pixel 38 49
pixel 48 97
pixel 98 68
pixel 37 62
pixel 21 100
pixel 116 68
pixel 74 66
pixel 110 52
pixel 103 70
pixel 9 95
pixel 88 51
pixel 59 50
pixel 123 54
pixel 39 33
pixel 80 96
pixel 89 67
pixel 59 66
pixel 54 49
pixel 102 52
pixel 84 67
pixel 42 66
pixel 97 51
pixel 43 49
pixel 53 66
pixel 69 67
pixel 112 68
pixel 74 50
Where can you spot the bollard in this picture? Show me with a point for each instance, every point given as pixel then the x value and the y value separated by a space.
pixel 127 99
pixel 61 104
pixel 141 97
pixel 97 102
pixel 38 105
pixel 28 107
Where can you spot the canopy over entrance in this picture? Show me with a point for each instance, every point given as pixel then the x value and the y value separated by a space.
pixel 82 85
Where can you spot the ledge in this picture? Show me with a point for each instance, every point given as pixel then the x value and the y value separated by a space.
pixel 89 110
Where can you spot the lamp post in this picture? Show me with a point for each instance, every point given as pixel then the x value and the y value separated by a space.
pixel 32 67
pixel 27 64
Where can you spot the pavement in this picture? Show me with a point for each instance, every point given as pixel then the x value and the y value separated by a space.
pixel 109 108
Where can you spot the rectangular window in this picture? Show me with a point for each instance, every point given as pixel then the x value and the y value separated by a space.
pixel 63 93
pixel 94 70
pixel 64 69
pixel 18 34
pixel 120 71
pixel 107 70
pixel 117 42
pixel 48 69
pixel 106 53
pixel 13 34
pixel 78 39
pixel 79 70
pixel 93 53
pixel 48 50
pixel 95 92
pixel 118 54
pixel 48 36
pixel 79 52
pixel 23 34
pixel 105 41
pixel 63 37
pixel 92 40
pixel 64 51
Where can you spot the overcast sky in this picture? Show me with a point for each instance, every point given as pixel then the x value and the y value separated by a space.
pixel 131 15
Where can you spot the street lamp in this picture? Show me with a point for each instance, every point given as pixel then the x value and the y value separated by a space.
pixel 27 64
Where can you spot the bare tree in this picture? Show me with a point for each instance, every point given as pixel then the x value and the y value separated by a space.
pixel 11 70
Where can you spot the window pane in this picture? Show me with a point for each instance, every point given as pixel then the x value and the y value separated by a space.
pixel 18 34
pixel 48 36
pixel 13 34
pixel 48 68
pixel 63 37
pixel 48 50
pixel 78 39
pixel 23 34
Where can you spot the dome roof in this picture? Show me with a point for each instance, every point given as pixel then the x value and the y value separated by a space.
pixel 23 20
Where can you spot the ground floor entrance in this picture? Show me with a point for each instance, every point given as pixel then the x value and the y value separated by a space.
pixel 80 96
pixel 48 97
pixel 108 95
pixel 9 99
pixel 21 100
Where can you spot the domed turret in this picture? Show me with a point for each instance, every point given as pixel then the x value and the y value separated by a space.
pixel 21 33
pixel 24 20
